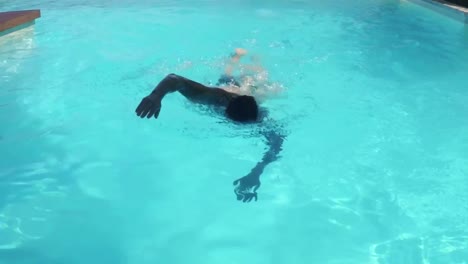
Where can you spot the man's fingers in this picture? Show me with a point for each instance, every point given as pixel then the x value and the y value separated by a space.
pixel 149 109
pixel 145 112
pixel 246 197
pixel 156 114
pixel 142 113
pixel 141 106
pixel 238 195
pixel 256 187
pixel 151 112
pixel 138 107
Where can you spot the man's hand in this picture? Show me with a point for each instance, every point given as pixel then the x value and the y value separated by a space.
pixel 246 189
pixel 149 106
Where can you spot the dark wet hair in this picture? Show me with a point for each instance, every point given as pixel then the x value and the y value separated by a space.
pixel 242 108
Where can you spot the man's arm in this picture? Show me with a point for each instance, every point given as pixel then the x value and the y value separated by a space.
pixel 247 186
pixel 196 92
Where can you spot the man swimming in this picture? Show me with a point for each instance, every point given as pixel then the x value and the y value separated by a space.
pixel 238 104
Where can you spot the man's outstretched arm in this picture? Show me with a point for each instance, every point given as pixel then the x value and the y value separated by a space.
pixel 246 187
pixel 196 92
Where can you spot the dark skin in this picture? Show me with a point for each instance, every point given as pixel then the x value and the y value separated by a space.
pixel 195 92
pixel 150 106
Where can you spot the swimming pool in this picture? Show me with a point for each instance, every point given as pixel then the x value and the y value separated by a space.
pixel 373 169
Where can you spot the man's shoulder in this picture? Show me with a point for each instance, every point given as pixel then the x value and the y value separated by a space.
pixel 219 96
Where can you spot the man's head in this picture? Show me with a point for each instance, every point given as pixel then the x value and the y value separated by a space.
pixel 242 109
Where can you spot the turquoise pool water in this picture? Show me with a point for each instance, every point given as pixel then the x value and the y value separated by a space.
pixel 373 169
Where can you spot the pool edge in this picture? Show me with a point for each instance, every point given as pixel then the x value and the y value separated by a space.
pixel 450 10
pixel 16 20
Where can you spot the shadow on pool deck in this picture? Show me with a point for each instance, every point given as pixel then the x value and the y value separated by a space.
pixel 15 20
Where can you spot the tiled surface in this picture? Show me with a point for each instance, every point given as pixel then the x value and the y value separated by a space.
pixel 9 20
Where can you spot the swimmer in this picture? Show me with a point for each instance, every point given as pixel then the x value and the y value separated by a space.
pixel 237 98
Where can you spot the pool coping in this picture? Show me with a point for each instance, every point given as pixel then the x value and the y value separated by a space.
pixel 15 20
pixel 448 9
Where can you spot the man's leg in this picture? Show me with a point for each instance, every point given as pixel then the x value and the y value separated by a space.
pixel 227 77
pixel 234 60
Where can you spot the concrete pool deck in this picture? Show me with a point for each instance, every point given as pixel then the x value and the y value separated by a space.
pixel 449 9
pixel 15 20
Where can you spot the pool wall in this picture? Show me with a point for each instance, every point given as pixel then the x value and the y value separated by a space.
pixel 445 8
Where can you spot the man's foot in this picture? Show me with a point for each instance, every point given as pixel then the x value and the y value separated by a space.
pixel 240 52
